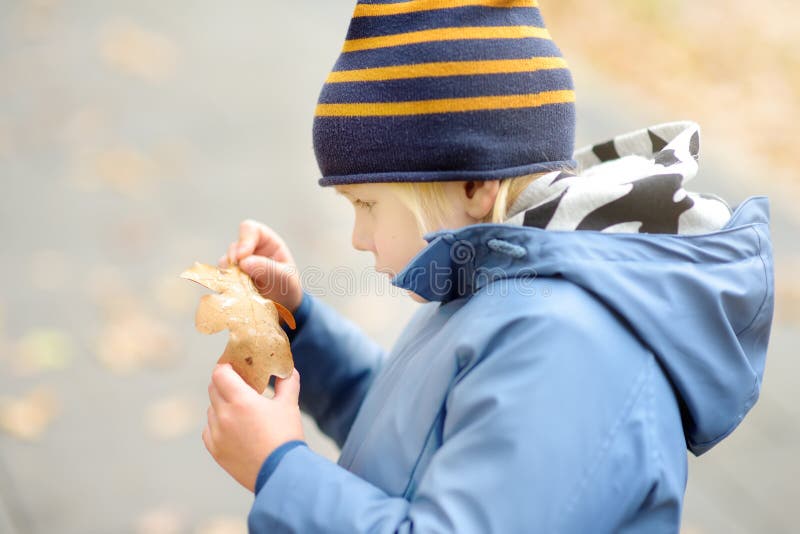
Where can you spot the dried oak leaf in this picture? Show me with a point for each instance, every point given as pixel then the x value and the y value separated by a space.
pixel 257 347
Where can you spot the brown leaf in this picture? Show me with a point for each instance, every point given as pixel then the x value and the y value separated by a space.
pixel 130 340
pixel 222 525
pixel 257 347
pixel 137 51
pixel 27 417
pixel 124 168
pixel 171 417
pixel 787 291
pixel 131 335
pixel 161 520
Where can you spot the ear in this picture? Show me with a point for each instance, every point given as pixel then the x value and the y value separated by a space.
pixel 479 197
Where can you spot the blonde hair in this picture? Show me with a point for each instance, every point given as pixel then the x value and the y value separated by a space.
pixel 430 205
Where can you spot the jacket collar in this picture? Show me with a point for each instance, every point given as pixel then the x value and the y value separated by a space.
pixel 457 263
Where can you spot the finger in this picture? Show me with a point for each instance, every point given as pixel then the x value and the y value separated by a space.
pixel 211 416
pixel 223 261
pixel 233 259
pixel 264 241
pixel 273 280
pixel 249 237
pixel 216 399
pixel 228 382
pixel 212 422
pixel 207 441
pixel 288 389
pixel 266 273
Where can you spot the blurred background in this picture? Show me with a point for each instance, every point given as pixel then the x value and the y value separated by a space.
pixel 135 136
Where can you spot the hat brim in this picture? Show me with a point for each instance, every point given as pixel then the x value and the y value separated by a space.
pixel 447 176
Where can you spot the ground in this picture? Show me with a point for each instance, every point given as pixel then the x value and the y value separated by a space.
pixel 134 136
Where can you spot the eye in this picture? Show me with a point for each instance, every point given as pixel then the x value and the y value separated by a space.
pixel 362 204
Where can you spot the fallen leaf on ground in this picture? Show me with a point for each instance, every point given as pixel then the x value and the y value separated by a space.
pixel 43 349
pixel 29 416
pixel 162 520
pixel 124 169
pixel 787 291
pixel 130 337
pixel 137 51
pixel 134 339
pixel 257 347
pixel 110 291
pixel 171 417
pixel 222 525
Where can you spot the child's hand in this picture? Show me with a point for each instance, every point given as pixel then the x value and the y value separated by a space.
pixel 244 427
pixel 264 256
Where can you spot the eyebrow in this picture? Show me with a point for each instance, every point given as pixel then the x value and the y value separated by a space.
pixel 350 195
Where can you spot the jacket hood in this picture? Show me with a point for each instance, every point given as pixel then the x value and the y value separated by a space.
pixel 689 276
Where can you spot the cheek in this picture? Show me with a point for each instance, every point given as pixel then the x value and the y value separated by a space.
pixel 396 249
pixel 396 236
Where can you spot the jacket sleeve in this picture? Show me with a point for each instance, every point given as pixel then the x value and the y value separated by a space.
pixel 521 446
pixel 337 363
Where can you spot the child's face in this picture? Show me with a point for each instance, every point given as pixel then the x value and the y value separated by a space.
pixel 384 226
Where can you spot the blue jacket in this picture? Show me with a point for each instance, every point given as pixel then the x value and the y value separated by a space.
pixel 564 364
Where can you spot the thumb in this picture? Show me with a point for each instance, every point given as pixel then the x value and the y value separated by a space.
pixel 264 271
pixel 288 389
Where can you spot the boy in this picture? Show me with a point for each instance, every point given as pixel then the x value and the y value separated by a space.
pixel 585 318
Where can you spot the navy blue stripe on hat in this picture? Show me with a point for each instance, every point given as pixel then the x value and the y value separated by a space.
pixel 447 51
pixel 425 20
pixel 448 87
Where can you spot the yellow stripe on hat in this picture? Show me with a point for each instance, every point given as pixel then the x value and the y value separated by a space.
pixel 444 105
pixel 445 34
pixel 377 10
pixel 447 68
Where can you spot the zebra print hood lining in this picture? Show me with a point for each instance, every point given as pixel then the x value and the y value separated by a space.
pixel 632 183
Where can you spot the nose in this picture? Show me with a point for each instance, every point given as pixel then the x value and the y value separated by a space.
pixel 361 240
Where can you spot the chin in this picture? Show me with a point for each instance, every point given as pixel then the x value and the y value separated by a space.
pixel 384 270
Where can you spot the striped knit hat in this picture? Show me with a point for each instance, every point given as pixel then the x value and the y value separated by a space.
pixel 436 90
